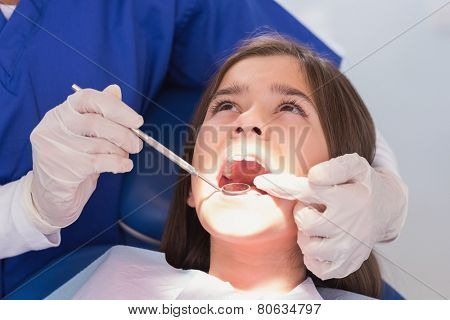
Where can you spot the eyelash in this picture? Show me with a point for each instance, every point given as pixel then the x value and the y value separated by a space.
pixel 215 107
pixel 296 105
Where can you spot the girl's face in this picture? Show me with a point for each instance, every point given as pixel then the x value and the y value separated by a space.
pixel 260 120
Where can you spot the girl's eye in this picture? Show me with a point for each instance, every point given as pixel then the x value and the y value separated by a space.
pixel 223 106
pixel 293 107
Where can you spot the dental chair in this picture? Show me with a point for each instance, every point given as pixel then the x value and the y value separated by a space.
pixel 145 199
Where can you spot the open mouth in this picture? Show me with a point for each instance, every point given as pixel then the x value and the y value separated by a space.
pixel 242 171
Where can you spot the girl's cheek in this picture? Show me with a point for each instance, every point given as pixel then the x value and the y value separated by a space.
pixel 207 152
pixel 314 150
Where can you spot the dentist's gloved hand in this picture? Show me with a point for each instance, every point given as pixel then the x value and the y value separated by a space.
pixel 345 207
pixel 76 141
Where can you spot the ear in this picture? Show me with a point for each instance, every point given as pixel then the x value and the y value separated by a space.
pixel 190 199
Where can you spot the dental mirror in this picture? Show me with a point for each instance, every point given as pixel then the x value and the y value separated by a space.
pixel 235 188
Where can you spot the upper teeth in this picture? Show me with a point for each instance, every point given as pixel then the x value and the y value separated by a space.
pixel 237 157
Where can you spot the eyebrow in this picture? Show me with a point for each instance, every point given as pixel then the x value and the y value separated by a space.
pixel 234 89
pixel 287 90
pixel 284 89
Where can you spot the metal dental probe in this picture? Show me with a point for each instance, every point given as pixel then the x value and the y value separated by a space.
pixel 166 152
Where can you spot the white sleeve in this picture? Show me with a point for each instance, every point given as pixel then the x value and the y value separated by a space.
pixel 386 163
pixel 19 232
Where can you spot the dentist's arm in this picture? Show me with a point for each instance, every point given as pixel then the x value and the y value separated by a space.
pixel 21 228
pixel 362 204
pixel 206 31
pixel 74 143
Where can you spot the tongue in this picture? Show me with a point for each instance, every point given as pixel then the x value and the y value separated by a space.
pixel 245 171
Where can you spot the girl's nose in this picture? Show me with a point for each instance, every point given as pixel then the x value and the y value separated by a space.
pixel 253 129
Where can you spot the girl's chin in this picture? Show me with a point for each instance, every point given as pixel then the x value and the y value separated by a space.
pixel 246 216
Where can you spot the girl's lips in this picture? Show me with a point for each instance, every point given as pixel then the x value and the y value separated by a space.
pixel 223 181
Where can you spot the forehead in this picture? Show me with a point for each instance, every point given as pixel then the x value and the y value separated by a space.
pixel 263 71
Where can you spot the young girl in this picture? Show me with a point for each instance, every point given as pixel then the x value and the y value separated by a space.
pixel 274 106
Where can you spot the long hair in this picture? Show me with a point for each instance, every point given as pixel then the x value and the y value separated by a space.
pixel 347 126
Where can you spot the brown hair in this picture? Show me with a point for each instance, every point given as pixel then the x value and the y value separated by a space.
pixel 347 126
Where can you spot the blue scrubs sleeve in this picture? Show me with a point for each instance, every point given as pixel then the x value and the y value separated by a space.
pixel 208 30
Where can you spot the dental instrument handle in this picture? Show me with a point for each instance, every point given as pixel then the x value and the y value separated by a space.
pixel 164 151
pixel 172 156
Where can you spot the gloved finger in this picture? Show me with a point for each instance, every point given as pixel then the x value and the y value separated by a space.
pixel 338 196
pixel 93 145
pixel 313 223
pixel 101 163
pixel 322 249
pixel 352 259
pixel 355 260
pixel 94 125
pixel 342 169
pixel 114 89
pixel 107 105
pixel 321 269
pixel 287 186
pixel 337 269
